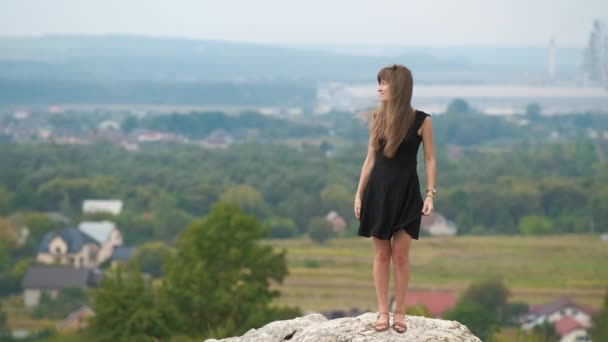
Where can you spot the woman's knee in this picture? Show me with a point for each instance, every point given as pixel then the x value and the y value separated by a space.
pixel 400 257
pixel 382 251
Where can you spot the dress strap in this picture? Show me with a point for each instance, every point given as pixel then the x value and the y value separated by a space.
pixel 419 119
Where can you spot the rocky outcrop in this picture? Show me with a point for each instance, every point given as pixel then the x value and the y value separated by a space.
pixel 317 328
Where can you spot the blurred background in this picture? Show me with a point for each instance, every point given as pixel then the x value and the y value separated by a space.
pixel 187 170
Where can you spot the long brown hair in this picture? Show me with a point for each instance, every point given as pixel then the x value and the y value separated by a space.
pixel 394 118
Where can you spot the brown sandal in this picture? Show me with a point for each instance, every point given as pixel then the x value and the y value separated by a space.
pixel 399 327
pixel 382 326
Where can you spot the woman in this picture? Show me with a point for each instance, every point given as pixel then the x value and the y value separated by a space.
pixel 388 202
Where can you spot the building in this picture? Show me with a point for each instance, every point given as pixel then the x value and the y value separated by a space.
pixel 437 225
pixel 51 279
pixel 77 320
pixel 595 56
pixel 338 223
pixel 121 254
pixel 102 206
pixel 569 319
pixel 85 246
pixel 438 302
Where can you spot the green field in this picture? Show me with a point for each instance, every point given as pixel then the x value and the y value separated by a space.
pixel 536 269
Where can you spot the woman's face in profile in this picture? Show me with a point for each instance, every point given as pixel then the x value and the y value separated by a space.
pixel 384 91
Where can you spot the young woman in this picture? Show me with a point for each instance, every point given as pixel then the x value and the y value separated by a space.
pixel 388 202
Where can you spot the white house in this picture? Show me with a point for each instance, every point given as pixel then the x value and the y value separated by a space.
pixel 437 225
pixel 105 234
pixel 85 246
pixel 570 319
pixel 102 206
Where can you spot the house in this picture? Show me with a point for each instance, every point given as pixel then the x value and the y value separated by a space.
pixel 109 125
pixel 121 254
pixel 338 224
pixel 51 279
pixel 102 206
pixel 555 311
pixel 85 246
pixel 105 234
pixel 437 225
pixel 438 302
pixel 68 246
pixel 218 138
pixel 571 330
pixel 77 320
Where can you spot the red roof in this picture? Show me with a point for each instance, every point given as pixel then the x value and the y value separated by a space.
pixel 436 301
pixel 566 324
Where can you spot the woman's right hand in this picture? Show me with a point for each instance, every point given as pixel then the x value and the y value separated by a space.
pixel 357 206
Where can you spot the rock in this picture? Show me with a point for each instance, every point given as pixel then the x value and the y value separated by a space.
pixel 317 328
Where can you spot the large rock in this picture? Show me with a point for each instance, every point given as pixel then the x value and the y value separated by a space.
pixel 317 328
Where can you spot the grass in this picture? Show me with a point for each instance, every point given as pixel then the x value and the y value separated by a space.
pixel 536 269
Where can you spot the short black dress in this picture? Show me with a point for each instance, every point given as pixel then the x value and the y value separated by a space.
pixel 391 199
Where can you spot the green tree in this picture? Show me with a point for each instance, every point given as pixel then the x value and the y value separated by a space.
pixel 282 228
pixel 129 124
pixel 535 225
pixel 418 310
pixel 337 197
pixel 599 330
pixel 458 106
pixel 248 198
pixel 5 333
pixel 219 276
pixel 5 200
pixel 545 332
pixel 533 111
pixel 5 257
pixel 320 230
pixel 481 321
pixel 38 224
pixel 127 308
pixel 491 294
pixel 151 257
pixel 66 302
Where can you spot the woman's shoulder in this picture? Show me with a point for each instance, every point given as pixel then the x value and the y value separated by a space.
pixel 422 113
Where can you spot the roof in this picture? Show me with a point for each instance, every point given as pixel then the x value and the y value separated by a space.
pixel 58 277
pixel 99 231
pixel 83 310
pixel 74 238
pixel 546 309
pixel 437 301
pixel 122 252
pixel 566 324
pixel 92 206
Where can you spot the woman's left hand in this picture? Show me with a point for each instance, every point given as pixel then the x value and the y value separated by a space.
pixel 428 206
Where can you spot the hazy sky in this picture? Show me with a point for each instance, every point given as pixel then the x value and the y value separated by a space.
pixel 428 22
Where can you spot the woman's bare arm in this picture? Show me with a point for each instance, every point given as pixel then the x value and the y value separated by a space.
pixel 368 164
pixel 429 153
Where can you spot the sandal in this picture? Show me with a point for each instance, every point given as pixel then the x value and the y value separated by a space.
pixel 380 325
pixel 399 326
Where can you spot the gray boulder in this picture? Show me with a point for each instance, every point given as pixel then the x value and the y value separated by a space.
pixel 317 328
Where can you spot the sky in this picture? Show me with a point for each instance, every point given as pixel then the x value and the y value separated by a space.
pixel 322 22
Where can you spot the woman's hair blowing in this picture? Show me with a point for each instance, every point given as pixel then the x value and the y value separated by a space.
pixel 390 123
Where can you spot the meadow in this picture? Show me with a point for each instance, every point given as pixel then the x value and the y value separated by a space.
pixel 537 269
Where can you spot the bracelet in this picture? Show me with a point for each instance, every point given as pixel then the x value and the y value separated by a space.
pixel 431 196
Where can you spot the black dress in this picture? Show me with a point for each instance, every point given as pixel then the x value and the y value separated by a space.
pixel 391 199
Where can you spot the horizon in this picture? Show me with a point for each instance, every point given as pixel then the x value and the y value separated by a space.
pixel 362 22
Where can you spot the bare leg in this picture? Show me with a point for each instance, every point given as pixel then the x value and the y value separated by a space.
pixel 382 259
pixel 401 263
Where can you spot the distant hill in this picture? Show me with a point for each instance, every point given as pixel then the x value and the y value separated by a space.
pixel 138 58
pixel 139 69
